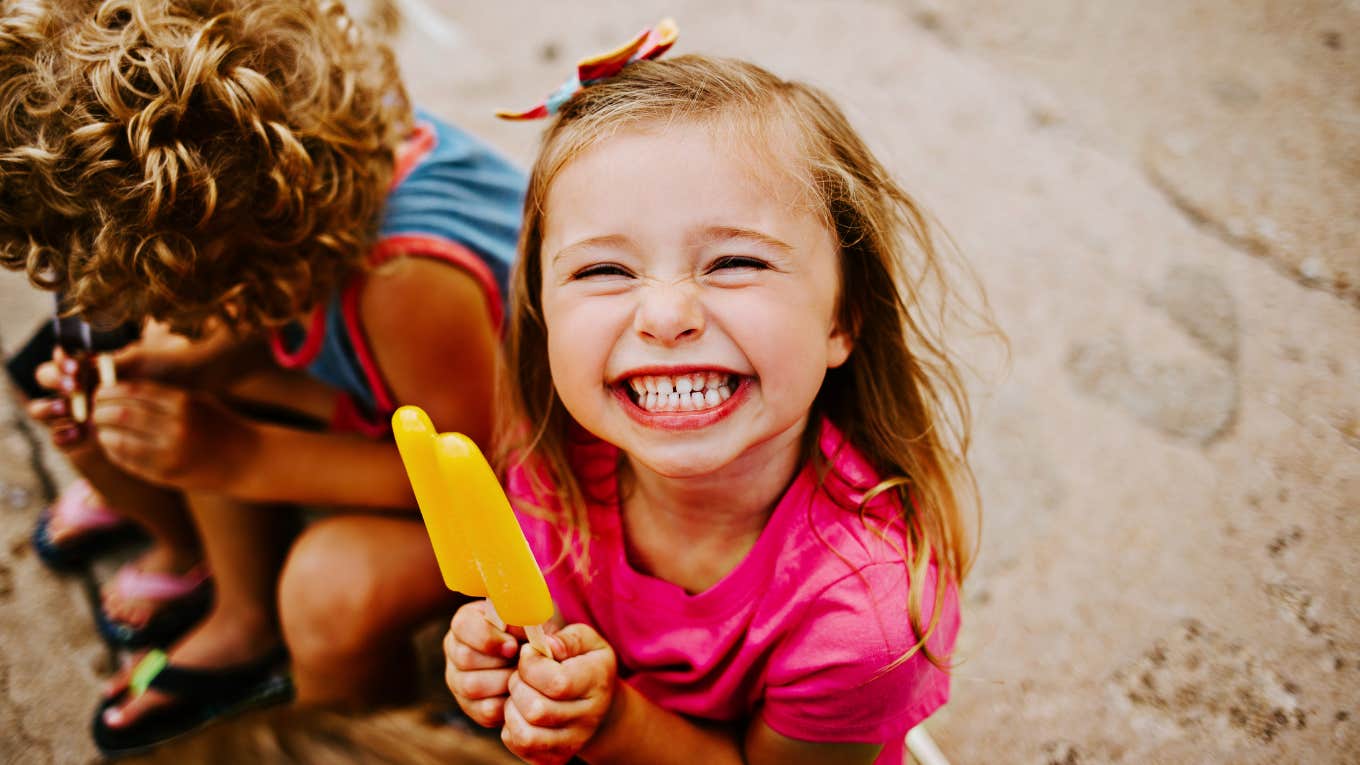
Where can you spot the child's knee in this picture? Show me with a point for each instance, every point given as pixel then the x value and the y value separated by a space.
pixel 329 593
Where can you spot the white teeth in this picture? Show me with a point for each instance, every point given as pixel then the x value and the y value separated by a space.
pixel 682 393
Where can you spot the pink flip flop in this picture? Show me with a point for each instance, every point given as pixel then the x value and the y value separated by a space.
pixel 94 527
pixel 180 599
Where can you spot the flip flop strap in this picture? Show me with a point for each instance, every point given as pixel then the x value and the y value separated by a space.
pixel 135 584
pixel 75 510
pixel 155 671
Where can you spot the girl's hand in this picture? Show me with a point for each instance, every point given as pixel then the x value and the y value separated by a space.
pixel 170 436
pixel 555 707
pixel 478 662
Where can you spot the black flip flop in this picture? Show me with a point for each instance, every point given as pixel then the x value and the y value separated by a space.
pixel 200 697
pixel 71 555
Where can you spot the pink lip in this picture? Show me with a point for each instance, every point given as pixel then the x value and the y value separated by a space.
pixel 663 371
pixel 681 420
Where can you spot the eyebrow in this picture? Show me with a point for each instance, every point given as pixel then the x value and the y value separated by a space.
pixel 710 235
pixel 715 234
pixel 610 240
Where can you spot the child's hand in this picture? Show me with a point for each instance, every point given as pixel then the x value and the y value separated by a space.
pixel 55 414
pixel 478 662
pixel 555 707
pixel 170 436
pixel 62 375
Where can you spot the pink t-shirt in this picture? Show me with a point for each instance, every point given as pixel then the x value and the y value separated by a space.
pixel 801 632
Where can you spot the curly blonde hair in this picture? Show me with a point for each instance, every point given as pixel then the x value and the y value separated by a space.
pixel 192 160
pixel 899 398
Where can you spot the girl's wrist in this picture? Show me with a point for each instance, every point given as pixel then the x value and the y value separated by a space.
pixel 606 745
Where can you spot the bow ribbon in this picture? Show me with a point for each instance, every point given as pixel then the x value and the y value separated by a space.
pixel 648 44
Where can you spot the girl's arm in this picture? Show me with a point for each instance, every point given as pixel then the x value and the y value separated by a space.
pixel 641 731
pixel 576 706
pixel 433 338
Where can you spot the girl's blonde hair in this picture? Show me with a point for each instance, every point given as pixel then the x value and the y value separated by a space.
pixel 898 399
pixel 192 159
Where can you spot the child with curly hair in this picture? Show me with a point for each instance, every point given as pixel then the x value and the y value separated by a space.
pixel 737 437
pixel 248 178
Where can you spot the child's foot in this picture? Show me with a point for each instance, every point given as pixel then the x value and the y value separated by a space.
pixel 222 666
pixel 155 599
pixel 78 526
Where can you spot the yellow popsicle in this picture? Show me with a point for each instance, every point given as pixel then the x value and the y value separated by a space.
pixel 513 580
pixel 415 440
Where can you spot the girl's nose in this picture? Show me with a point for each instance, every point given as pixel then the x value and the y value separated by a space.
pixel 669 314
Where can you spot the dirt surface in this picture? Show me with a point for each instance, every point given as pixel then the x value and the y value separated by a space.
pixel 1162 208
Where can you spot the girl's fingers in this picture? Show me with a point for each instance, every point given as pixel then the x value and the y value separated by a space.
pixel 467 658
pixel 481 684
pixel 587 663
pixel 473 630
pixel 488 713
pixel 541 711
pixel 536 743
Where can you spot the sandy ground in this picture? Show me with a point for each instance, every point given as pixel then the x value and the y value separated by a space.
pixel 1162 208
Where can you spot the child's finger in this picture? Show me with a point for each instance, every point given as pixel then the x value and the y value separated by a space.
pixel 144 393
pixel 538 744
pixel 481 684
pixel 575 640
pixel 126 448
pixel 49 375
pixel 473 630
pixel 542 711
pixel 573 678
pixel 47 410
pixel 488 713
pixel 128 419
pixel 67 434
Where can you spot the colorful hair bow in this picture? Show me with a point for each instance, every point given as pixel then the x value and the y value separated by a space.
pixel 648 44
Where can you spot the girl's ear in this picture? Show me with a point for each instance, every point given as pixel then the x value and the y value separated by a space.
pixel 838 346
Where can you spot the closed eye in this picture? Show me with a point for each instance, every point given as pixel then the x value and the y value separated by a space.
pixel 729 262
pixel 600 269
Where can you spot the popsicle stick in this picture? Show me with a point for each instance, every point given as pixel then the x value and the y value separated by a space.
pixel 108 375
pixel 538 639
pixel 80 410
pixel 923 747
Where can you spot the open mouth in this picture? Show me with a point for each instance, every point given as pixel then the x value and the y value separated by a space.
pixel 693 392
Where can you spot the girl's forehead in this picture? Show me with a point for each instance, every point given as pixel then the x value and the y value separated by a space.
pixel 763 153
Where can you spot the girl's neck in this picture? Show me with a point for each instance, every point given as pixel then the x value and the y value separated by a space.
pixel 713 520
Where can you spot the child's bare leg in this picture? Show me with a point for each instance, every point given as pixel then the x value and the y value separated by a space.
pixel 161 512
pixel 353 590
pixel 244 547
